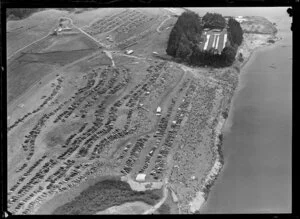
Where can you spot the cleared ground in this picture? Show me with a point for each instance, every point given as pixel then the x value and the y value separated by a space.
pixel 127 208
pixel 36 61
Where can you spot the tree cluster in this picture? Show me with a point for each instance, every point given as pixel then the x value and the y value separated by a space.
pixel 185 36
pixel 235 32
pixel 214 20
pixel 105 194
pixel 20 13
pixel 164 209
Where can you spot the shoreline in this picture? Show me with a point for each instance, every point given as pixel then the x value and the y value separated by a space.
pixel 218 164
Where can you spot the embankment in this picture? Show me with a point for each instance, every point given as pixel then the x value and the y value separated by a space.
pixel 251 43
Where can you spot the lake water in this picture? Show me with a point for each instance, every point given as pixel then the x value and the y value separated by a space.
pixel 256 177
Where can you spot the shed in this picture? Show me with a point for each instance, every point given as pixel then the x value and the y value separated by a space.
pixel 128 52
pixel 140 177
pixel 158 110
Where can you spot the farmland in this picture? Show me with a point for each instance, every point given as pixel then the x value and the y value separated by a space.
pixel 85 119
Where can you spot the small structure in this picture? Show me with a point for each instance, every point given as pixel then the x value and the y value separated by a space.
pixel 109 38
pixel 128 52
pixel 158 111
pixel 216 30
pixel 240 19
pixel 141 177
pixel 67 28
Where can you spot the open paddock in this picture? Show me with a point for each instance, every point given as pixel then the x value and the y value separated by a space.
pixel 127 208
pixel 24 75
pixel 63 43
pixel 23 32
pixel 57 57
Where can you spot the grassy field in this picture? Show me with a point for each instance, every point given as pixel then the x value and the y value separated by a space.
pixel 38 60
pixel 127 208
pixel 69 43
pixel 258 25
pixel 22 75
pixel 23 32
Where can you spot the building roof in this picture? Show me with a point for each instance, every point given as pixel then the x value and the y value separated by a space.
pixel 140 177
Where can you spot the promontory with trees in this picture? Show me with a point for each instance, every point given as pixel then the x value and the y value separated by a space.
pixel 187 34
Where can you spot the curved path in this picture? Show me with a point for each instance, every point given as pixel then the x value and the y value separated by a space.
pixel 157 29
pixel 165 195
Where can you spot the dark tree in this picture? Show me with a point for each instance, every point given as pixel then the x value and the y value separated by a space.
pixel 20 13
pixel 214 20
pixel 235 32
pixel 185 36
pixel 228 55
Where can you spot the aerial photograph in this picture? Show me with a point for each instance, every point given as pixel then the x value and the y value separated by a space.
pixel 149 110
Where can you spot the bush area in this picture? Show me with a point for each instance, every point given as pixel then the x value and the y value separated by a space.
pixel 164 209
pixel 235 32
pixel 214 20
pixel 186 35
pixel 20 13
pixel 106 194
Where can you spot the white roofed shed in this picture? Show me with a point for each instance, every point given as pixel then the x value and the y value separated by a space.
pixel 141 177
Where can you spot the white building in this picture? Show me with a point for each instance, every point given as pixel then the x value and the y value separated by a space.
pixel 158 110
pixel 141 177
pixel 128 52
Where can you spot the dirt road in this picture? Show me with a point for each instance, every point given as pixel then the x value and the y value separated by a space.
pixel 157 29
pixel 165 195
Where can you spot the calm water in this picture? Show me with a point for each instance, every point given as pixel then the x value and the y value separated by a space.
pixel 256 177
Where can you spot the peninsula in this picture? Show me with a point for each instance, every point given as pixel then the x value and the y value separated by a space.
pixel 120 111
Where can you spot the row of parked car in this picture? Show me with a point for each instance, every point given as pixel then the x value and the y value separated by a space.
pixel 34 181
pixel 134 153
pixel 89 136
pixel 46 101
pixel 29 145
pixel 160 163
